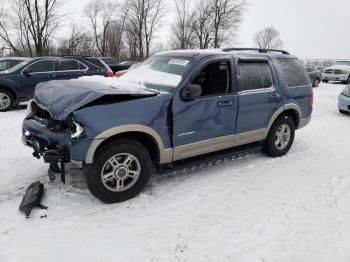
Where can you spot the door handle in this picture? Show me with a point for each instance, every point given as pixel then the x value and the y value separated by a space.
pixel 226 103
pixel 275 97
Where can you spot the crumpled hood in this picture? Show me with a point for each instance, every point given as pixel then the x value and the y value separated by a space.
pixel 60 98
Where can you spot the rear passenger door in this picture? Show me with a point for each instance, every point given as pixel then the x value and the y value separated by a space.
pixel 259 97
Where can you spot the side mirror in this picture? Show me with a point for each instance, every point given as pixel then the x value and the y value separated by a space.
pixel 191 92
pixel 27 71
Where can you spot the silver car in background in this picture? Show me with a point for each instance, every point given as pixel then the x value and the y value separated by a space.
pixel 340 71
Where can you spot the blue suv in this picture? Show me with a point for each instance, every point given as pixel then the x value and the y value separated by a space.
pixel 173 106
pixel 17 84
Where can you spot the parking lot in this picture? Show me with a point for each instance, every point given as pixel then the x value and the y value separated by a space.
pixel 293 208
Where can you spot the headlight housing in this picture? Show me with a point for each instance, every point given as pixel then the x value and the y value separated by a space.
pixel 77 130
pixel 344 72
pixel 346 91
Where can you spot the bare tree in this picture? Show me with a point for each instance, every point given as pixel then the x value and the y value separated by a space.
pixel 216 21
pixel 182 28
pixel 144 20
pixel 203 26
pixel 100 15
pixel 75 43
pixel 226 16
pixel 268 38
pixel 29 23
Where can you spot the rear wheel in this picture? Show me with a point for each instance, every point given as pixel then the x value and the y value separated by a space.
pixel 316 82
pixel 120 171
pixel 6 100
pixel 325 81
pixel 343 112
pixel 280 137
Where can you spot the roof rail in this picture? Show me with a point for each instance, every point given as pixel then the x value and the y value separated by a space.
pixel 260 50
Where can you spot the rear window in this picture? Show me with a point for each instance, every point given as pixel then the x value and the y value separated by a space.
pixel 255 75
pixel 294 72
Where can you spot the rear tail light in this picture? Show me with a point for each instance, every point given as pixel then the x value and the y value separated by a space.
pixel 109 73
pixel 311 100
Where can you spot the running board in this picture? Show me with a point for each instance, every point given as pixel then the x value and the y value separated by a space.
pixel 212 158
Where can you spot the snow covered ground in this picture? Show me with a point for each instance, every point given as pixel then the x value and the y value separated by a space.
pixel 293 208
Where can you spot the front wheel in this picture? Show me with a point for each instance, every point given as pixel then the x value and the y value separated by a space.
pixel 280 137
pixel 6 100
pixel 120 171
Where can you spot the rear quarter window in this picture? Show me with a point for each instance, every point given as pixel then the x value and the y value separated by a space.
pixel 294 72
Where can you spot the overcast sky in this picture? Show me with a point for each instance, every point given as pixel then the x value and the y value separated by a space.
pixel 309 28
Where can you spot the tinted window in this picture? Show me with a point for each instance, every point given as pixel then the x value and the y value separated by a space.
pixel 214 79
pixel 255 76
pixel 42 66
pixel 294 72
pixel 68 65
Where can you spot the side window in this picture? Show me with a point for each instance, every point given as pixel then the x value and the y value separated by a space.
pixel 294 72
pixel 3 65
pixel 42 66
pixel 255 76
pixel 215 79
pixel 82 66
pixel 69 65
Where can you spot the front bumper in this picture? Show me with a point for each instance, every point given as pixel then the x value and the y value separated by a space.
pixel 54 144
pixel 344 103
pixel 334 77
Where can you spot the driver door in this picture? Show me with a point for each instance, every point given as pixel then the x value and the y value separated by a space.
pixel 207 123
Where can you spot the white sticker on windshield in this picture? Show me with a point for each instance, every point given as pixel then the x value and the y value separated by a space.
pixel 180 62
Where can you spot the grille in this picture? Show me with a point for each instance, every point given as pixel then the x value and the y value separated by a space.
pixel 338 72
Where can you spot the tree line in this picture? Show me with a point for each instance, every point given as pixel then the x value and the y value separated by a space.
pixel 123 28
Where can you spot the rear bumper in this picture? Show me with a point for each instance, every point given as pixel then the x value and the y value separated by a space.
pixel 344 103
pixel 304 122
pixel 43 141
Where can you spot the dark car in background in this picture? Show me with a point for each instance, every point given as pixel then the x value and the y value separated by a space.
pixel 9 62
pixel 115 67
pixel 17 84
pixel 314 74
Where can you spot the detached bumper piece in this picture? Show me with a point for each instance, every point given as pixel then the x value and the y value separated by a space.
pixel 57 160
pixel 32 198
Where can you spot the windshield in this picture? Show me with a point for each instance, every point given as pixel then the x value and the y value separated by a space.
pixel 347 63
pixel 16 67
pixel 160 73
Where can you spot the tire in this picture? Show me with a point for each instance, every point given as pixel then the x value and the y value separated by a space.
pixel 325 81
pixel 273 145
pixel 110 190
pixel 316 82
pixel 7 100
pixel 343 112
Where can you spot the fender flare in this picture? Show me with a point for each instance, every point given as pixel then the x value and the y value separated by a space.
pixel 165 154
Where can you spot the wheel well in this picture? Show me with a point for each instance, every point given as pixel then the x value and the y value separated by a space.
pixel 145 139
pixel 9 90
pixel 293 114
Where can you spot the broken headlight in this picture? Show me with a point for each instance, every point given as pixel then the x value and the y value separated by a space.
pixel 77 130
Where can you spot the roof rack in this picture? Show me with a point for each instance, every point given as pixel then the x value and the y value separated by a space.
pixel 260 50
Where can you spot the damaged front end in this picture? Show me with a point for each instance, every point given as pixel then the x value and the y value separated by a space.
pixel 49 138
pixel 51 127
